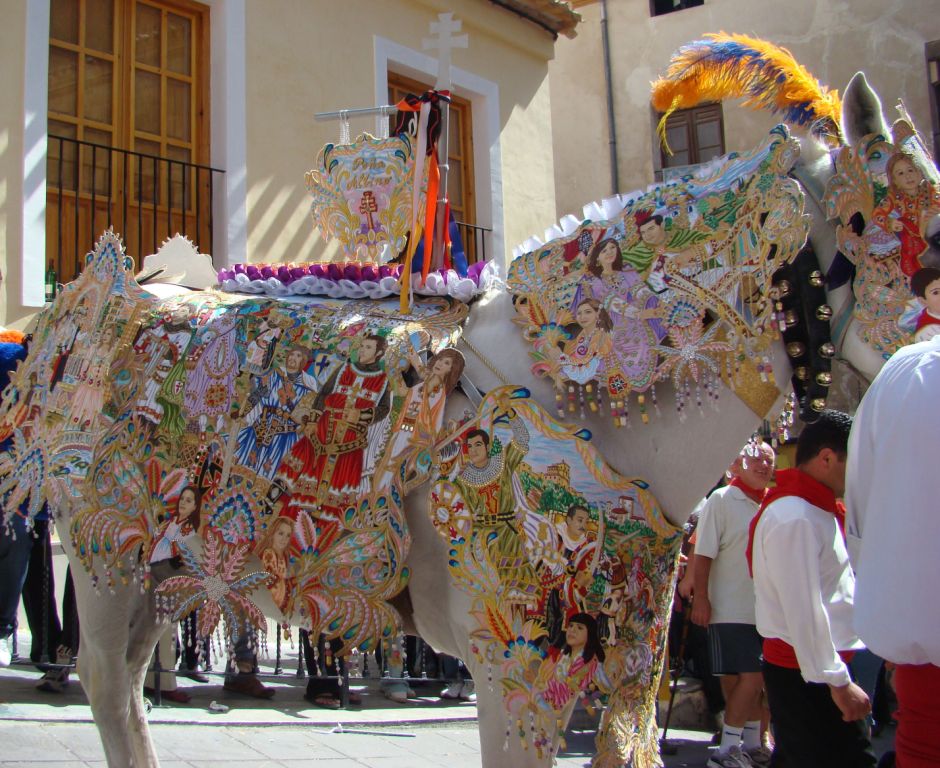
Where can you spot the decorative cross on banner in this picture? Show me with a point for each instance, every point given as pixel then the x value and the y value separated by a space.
pixel 443 43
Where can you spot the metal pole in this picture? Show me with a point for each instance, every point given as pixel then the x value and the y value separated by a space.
pixel 389 109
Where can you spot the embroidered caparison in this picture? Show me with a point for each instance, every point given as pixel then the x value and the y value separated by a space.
pixel 674 288
pixel 252 451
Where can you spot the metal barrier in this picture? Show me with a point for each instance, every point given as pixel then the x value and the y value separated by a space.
pixel 145 198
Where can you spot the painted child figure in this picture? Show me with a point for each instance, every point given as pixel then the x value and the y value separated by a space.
pixel 925 285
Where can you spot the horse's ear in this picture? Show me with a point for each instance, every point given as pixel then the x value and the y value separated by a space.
pixel 861 111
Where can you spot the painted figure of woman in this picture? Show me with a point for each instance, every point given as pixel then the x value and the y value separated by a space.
pixel 584 357
pixel 575 663
pixel 632 307
pixel 911 201
pixel 422 413
pixel 274 550
pixel 182 522
pixel 209 387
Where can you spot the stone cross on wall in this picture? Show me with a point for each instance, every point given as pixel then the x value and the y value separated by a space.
pixel 444 43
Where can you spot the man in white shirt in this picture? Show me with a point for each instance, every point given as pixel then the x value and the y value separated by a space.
pixel 804 589
pixel 723 601
pixel 893 529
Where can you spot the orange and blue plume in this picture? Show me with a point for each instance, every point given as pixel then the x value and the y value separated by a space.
pixel 765 75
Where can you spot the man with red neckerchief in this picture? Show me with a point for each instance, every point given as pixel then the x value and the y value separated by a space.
pixel 892 527
pixel 723 601
pixel 804 590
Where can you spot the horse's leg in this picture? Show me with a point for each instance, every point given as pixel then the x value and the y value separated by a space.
pixel 118 634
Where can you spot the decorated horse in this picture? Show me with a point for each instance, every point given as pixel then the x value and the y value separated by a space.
pixel 300 448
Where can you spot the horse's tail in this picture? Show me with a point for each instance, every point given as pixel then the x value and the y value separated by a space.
pixel 50 409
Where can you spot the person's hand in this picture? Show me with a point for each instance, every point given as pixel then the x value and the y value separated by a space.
pixel 701 610
pixel 896 225
pixel 851 700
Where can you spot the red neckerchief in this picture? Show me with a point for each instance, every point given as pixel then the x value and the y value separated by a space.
pixel 791 482
pixel 757 496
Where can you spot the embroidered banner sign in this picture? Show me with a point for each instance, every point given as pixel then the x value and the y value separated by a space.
pixel 362 195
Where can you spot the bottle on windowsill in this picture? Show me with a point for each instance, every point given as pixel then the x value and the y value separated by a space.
pixel 51 285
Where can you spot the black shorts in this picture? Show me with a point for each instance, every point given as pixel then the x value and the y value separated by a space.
pixel 735 648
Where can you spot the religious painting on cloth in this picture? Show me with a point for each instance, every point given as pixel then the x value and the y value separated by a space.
pixel 571 568
pixel 673 288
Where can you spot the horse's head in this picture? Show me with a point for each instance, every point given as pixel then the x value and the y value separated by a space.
pixel 876 209
pixel 872 190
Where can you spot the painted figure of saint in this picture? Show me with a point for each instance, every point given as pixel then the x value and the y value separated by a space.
pixel 324 469
pixel 486 485
pixel 270 430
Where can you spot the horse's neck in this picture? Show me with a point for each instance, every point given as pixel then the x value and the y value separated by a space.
pixel 682 460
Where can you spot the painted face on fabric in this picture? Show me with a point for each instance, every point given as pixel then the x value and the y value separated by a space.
pixel 281 538
pixel 368 351
pixel 187 504
pixel 576 636
pixel 586 316
pixel 653 233
pixel 577 523
pixel 609 255
pixel 477 451
pixel 295 361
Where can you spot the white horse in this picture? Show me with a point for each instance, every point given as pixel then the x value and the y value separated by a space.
pixel 680 458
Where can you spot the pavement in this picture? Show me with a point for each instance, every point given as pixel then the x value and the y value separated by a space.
pixel 43 730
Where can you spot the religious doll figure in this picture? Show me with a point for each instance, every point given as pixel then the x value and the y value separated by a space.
pixel 925 285
pixel 905 211
pixel 182 522
pixel 573 664
pixel 486 486
pixel 632 308
pixel 274 550
pixel 323 471
pixel 270 430
pixel 89 397
pixel 260 350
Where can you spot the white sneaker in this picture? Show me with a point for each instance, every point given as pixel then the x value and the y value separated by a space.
pixel 453 691
pixel 466 692
pixel 6 650
pixel 733 758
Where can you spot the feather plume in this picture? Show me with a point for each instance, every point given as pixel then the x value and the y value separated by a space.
pixel 765 75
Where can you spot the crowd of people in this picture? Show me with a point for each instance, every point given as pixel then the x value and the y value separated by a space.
pixel 803 581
